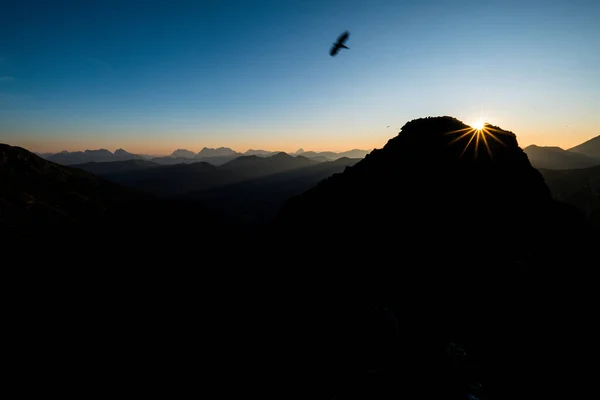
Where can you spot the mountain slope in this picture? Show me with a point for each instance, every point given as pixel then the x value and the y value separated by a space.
pixel 557 158
pixel 258 199
pixel 37 194
pixel 246 167
pixel 468 248
pixel 182 153
pixel 170 179
pixel 591 148
pixel 579 187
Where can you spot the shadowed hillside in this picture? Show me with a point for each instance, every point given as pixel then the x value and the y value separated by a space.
pixel 591 148
pixel 257 200
pixel 195 176
pixel 436 267
pixel 457 233
pixel 578 187
pixel 36 195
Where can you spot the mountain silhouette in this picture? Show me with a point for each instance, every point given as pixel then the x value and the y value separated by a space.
pixel 590 148
pixel 260 153
pixel 80 157
pixel 182 153
pixel 37 194
pixel 435 266
pixel 332 155
pixel 455 231
pixel 255 166
pixel 557 158
pixel 181 178
pixel 257 200
pixel 217 156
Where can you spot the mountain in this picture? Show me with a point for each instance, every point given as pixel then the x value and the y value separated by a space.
pixel 182 153
pixel 115 167
pixel 423 270
pixel 557 158
pixel 260 153
pixel 43 155
pixel 579 187
pixel 37 195
pixel 199 175
pixel 254 166
pixel 319 158
pixel 218 160
pixel 591 148
pixel 455 231
pixel 331 155
pixel 66 158
pixel 258 199
pixel 217 156
pixel 355 153
pixel 122 155
pixel 101 155
pixel 170 179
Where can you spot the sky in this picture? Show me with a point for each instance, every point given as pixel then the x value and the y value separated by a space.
pixel 154 76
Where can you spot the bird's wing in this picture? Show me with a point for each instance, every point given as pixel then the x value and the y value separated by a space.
pixel 343 37
pixel 334 50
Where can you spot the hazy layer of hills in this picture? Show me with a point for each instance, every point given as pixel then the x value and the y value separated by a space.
pixel 217 156
pixel 583 156
pixel 430 268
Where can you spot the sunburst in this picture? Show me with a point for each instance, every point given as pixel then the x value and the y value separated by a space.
pixel 479 131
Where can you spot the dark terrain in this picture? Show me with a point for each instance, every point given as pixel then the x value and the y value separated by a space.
pixel 422 271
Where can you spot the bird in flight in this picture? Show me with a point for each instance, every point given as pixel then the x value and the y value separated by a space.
pixel 339 44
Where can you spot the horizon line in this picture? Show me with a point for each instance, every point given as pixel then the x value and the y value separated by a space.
pixel 167 154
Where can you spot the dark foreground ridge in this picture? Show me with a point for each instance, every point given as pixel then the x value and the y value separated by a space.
pixel 423 271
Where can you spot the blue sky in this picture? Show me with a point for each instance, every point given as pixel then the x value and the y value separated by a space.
pixel 153 76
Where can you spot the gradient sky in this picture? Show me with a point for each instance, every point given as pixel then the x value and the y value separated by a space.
pixel 153 76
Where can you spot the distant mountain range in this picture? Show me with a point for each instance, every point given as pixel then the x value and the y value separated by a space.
pixel 168 180
pixel 584 155
pixel 101 155
pixel 215 156
pixel 103 195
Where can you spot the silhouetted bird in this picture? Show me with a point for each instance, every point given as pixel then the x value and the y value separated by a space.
pixel 339 44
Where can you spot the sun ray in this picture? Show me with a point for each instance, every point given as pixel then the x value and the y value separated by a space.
pixel 468 128
pixel 479 133
pixel 487 146
pixel 467 145
pixel 490 134
pixel 461 136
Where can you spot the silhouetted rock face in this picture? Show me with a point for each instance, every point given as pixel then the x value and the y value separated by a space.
pixel 459 233
pixel 438 176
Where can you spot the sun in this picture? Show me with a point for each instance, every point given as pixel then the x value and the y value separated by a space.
pixel 478 125
pixel 479 132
